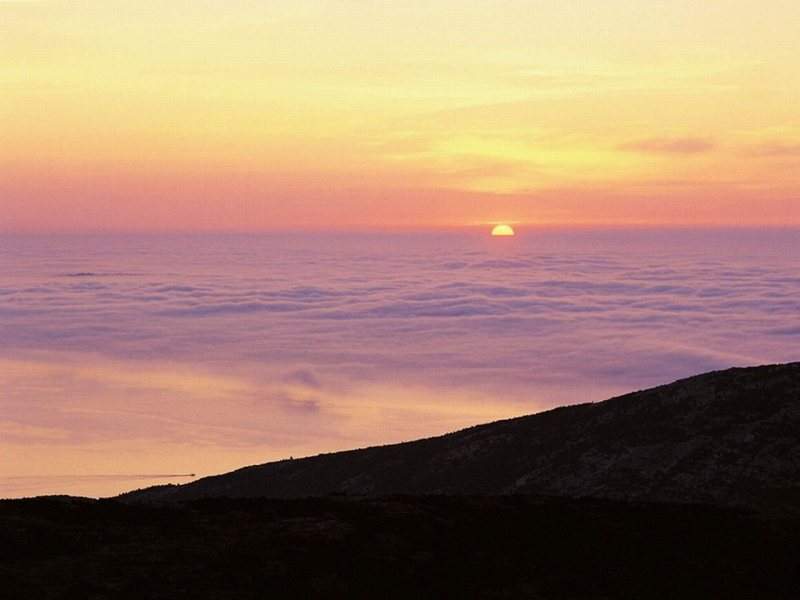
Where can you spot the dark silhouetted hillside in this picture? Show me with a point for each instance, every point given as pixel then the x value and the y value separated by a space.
pixel 398 547
pixel 729 438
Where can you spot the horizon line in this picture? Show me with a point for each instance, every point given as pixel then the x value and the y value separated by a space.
pixel 388 229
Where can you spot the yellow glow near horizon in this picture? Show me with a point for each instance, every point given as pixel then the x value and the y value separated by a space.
pixel 237 115
pixel 502 230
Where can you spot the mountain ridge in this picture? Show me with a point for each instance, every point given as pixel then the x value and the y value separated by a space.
pixel 729 437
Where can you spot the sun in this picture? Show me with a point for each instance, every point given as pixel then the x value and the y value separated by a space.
pixel 502 230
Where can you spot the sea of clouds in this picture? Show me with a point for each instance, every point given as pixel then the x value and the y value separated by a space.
pixel 199 353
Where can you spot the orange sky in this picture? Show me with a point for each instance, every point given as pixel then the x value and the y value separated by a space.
pixel 243 115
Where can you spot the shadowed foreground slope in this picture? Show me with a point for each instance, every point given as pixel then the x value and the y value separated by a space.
pixel 725 438
pixel 400 547
pixel 729 437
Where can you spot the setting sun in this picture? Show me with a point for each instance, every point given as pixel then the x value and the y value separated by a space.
pixel 502 230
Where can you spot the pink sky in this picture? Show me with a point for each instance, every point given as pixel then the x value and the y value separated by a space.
pixel 246 116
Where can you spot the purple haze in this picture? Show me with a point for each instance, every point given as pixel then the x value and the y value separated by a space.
pixel 129 355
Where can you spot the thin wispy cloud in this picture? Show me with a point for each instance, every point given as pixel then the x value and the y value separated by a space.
pixel 670 146
pixel 776 149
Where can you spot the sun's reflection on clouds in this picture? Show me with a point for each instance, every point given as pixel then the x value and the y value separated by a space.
pixel 176 414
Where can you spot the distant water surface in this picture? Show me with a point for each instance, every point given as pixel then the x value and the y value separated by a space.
pixel 126 357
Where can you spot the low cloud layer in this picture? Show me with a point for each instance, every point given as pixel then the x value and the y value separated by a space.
pixel 249 348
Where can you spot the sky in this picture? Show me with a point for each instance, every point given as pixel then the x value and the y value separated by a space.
pixel 240 115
